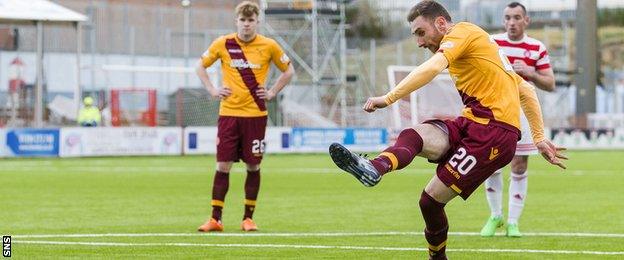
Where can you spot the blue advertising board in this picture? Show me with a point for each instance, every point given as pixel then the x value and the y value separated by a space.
pixel 33 142
pixel 321 138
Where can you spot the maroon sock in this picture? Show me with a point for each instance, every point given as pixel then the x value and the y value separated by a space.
pixel 407 146
pixel 436 225
pixel 219 189
pixel 252 186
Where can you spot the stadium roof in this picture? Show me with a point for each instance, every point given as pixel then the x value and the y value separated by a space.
pixel 37 10
pixel 40 12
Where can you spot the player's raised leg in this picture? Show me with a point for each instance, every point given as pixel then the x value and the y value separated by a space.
pixel 408 145
pixel 358 166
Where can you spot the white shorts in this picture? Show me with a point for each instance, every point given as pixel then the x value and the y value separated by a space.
pixel 525 146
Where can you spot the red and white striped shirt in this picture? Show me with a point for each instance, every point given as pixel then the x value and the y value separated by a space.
pixel 529 50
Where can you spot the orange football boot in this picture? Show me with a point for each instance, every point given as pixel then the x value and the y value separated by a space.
pixel 211 225
pixel 248 225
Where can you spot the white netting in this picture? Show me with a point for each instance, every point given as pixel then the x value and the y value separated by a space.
pixel 193 107
pixel 438 99
pixel 337 107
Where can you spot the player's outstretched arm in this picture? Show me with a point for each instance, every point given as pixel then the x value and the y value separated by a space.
pixel 533 112
pixel 420 76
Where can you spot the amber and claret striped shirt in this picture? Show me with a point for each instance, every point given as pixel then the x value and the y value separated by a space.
pixel 483 76
pixel 244 66
pixel 531 51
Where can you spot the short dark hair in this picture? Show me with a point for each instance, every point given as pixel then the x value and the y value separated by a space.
pixel 516 4
pixel 428 9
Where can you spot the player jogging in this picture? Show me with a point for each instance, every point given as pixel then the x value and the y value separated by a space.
pixel 469 148
pixel 529 59
pixel 245 60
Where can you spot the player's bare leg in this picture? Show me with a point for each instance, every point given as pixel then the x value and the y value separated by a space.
pixel 252 187
pixel 220 187
pixel 518 185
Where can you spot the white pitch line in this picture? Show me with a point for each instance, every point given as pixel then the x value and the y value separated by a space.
pixel 584 252
pixel 328 234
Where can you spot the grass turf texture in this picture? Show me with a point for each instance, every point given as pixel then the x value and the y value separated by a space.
pixel 300 196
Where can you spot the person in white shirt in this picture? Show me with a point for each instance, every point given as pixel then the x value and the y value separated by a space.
pixel 530 60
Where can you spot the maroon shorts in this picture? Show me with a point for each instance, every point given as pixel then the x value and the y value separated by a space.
pixel 241 138
pixel 476 152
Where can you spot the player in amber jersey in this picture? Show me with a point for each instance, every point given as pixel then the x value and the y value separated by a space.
pixel 469 148
pixel 530 60
pixel 245 60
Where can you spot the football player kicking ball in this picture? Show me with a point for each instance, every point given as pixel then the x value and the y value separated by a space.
pixel 469 148
pixel 245 60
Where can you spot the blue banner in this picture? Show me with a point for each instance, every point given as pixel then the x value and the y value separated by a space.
pixel 323 137
pixel 33 142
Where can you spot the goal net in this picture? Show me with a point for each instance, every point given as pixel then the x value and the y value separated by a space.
pixel 133 107
pixel 176 96
pixel 438 99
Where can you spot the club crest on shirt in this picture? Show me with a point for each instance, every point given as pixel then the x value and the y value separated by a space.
pixel 527 53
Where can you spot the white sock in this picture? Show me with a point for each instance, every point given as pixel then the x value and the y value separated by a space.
pixel 518 184
pixel 494 192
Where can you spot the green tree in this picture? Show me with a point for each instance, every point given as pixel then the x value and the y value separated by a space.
pixel 364 20
pixel 613 16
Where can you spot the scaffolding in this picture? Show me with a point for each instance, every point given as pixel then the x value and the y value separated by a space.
pixel 312 33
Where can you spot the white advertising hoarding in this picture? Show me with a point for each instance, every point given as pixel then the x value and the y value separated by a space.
pixel 203 140
pixel 119 141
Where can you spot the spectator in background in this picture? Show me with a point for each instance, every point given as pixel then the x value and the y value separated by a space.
pixel 89 114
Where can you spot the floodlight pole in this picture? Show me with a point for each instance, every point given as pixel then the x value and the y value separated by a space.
pixel 586 56
pixel 77 88
pixel 38 120
pixel 187 25
pixel 343 67
pixel 316 74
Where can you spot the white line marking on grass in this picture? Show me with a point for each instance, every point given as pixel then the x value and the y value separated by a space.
pixel 159 166
pixel 328 234
pixel 321 247
pixel 546 234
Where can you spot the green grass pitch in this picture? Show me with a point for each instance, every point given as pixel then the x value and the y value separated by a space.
pixel 146 207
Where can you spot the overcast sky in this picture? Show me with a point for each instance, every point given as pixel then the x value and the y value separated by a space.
pixel 538 5
pixel 566 4
pixel 534 5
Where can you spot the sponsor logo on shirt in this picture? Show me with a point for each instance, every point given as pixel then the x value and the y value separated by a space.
pixel 243 64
